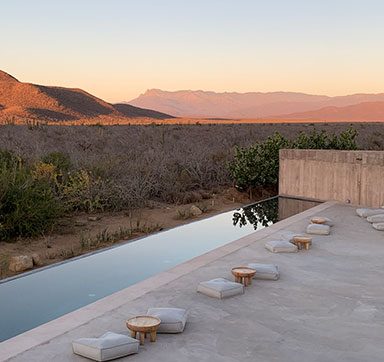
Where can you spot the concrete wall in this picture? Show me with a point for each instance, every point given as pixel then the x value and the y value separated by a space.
pixel 347 176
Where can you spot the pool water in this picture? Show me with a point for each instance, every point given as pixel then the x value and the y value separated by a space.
pixel 38 297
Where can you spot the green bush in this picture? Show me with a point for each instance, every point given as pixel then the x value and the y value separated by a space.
pixel 258 165
pixel 28 206
pixel 34 195
pixel 9 159
pixel 346 140
pixel 60 160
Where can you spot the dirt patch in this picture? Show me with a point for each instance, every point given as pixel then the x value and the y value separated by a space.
pixel 83 233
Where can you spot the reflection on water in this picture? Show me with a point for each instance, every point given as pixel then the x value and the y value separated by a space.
pixel 259 215
pixel 269 211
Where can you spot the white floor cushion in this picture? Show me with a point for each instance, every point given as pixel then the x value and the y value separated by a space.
pixel 280 246
pixel 369 212
pixel 107 347
pixel 318 229
pixel 265 271
pixel 376 218
pixel 220 288
pixel 379 226
pixel 172 319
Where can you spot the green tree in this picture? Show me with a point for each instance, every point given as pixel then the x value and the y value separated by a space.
pixel 258 165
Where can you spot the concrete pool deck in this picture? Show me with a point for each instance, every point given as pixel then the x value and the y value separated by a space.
pixel 328 304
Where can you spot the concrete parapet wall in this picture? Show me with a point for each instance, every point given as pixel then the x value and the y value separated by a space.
pixel 347 176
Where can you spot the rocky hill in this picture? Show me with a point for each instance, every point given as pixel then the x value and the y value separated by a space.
pixel 37 102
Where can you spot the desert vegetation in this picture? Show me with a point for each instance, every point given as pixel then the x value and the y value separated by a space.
pixel 51 177
pixel 50 171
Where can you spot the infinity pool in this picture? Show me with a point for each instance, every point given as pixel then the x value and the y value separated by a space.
pixel 38 297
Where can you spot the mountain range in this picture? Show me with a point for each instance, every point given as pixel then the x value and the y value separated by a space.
pixel 253 105
pixel 26 101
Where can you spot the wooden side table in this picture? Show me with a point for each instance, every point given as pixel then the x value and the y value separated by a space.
pixel 143 325
pixel 318 220
pixel 302 241
pixel 243 275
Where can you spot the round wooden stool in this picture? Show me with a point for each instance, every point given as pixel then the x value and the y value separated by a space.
pixel 143 325
pixel 318 220
pixel 243 275
pixel 302 241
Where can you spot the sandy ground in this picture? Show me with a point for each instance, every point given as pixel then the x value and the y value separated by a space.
pixel 82 233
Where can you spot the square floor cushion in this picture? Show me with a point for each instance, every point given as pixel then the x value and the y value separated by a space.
pixel 376 218
pixel 220 288
pixel 172 319
pixel 280 246
pixel 318 229
pixel 107 347
pixel 378 226
pixel 265 271
pixel 369 212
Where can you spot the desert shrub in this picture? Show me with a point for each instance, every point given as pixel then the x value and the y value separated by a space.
pixel 60 160
pixel 313 140
pixel 376 141
pixel 78 193
pixel 45 172
pixel 9 160
pixel 345 140
pixel 83 191
pixel 258 165
pixel 28 207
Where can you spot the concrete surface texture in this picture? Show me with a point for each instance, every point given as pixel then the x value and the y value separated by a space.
pixel 357 176
pixel 328 304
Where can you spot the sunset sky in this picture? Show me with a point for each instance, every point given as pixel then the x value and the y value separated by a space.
pixel 116 49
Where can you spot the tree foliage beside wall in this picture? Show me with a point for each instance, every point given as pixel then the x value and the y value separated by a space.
pixel 258 165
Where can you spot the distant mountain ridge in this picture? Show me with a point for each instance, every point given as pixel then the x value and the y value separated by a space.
pixel 365 111
pixel 27 101
pixel 187 103
pixel 32 101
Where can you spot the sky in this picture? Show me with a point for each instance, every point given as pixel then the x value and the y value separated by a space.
pixel 116 49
